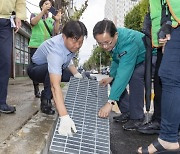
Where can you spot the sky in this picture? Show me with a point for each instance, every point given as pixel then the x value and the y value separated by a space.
pixel 93 13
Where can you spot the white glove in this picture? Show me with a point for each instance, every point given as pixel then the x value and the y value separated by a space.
pixel 78 75
pixel 67 126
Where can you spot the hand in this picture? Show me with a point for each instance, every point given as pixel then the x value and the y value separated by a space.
pixel 165 30
pixel 164 41
pixel 58 16
pixel 67 126
pixel 78 75
pixel 18 24
pixel 105 110
pixel 106 81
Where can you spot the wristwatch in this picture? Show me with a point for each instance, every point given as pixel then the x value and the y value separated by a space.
pixel 112 102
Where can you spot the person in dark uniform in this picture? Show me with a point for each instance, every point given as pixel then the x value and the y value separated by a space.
pixel 6 44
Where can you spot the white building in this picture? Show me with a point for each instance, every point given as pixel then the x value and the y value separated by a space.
pixel 116 10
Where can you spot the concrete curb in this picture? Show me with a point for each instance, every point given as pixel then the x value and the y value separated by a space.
pixel 32 133
pixel 32 137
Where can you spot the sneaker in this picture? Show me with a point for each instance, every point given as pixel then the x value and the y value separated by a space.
pixel 152 127
pixel 7 109
pixel 124 117
pixel 133 124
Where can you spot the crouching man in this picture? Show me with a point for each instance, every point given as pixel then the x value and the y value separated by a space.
pixel 52 64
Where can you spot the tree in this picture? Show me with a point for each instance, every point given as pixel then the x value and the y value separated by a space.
pixel 70 13
pixel 134 19
pixel 94 60
pixel 78 13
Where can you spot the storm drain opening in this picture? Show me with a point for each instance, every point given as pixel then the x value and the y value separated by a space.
pixel 83 100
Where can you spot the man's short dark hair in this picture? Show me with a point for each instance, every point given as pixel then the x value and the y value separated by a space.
pixel 74 29
pixel 42 2
pixel 104 26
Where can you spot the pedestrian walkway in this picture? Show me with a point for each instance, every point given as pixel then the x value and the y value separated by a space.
pixel 27 130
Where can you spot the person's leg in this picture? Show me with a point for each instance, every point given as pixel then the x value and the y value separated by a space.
pixel 153 127
pixel 123 102
pixel 170 76
pixel 136 98
pixel 6 35
pixel 66 75
pixel 40 74
pixel 169 73
pixel 123 105
pixel 157 89
pixel 35 83
pixel 36 89
pixel 136 93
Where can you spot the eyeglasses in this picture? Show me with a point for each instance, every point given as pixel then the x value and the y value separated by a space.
pixel 106 43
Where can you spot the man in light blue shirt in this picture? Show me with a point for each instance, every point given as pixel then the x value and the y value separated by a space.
pixel 55 53
pixel 52 63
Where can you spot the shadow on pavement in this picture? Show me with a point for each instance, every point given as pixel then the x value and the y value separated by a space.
pixel 126 142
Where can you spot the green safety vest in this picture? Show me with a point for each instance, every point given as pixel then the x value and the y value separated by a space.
pixel 40 33
pixel 155 13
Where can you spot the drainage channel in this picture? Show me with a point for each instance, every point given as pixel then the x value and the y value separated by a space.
pixel 83 100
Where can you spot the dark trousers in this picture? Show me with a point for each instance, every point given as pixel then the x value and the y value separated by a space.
pixel 6 35
pixel 39 73
pixel 134 101
pixel 169 73
pixel 32 51
pixel 157 88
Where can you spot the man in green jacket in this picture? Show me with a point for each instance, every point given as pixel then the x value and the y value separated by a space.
pixel 169 72
pixel 128 54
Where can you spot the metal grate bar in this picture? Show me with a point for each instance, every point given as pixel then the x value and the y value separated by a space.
pixel 83 101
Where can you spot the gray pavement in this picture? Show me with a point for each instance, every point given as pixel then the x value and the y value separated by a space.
pixel 29 131
pixel 126 142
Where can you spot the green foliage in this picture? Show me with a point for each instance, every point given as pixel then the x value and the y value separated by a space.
pixel 134 19
pixel 94 61
pixel 76 16
pixel 78 13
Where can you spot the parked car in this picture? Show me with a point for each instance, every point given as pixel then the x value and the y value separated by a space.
pixel 94 71
pixel 105 71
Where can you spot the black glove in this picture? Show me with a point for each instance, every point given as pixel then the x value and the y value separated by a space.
pixel 165 29
pixel 88 76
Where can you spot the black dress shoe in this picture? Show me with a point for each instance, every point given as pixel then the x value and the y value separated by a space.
pixel 38 95
pixel 133 124
pixel 7 109
pixel 46 107
pixel 152 127
pixel 124 117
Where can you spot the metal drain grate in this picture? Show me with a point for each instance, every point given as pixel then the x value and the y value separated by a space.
pixel 83 101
